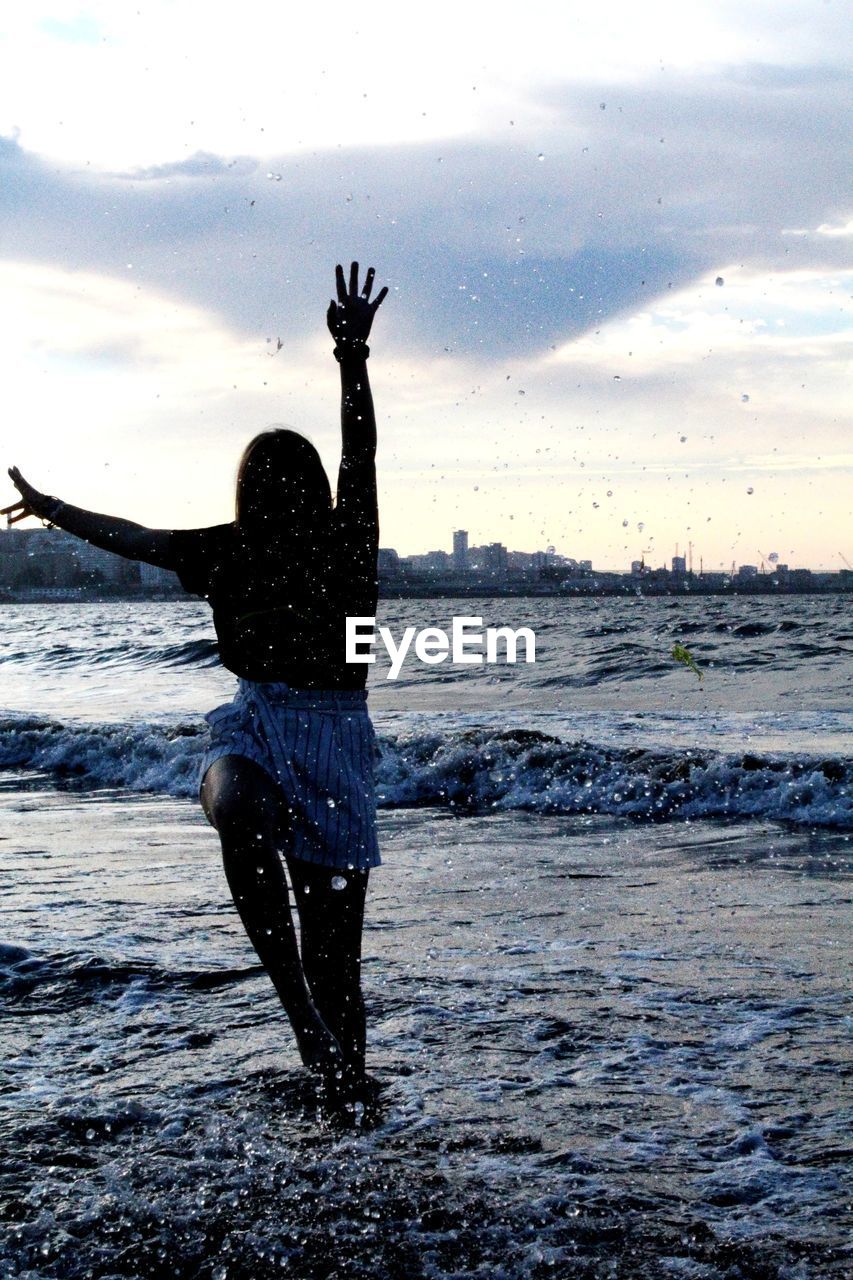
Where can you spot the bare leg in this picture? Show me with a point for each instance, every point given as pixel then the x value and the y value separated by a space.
pixel 241 802
pixel 331 920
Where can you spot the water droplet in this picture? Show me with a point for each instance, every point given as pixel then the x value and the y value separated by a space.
pixel 641 526
pixel 683 439
pixel 750 489
pixel 744 399
pixel 617 377
pixel 541 156
pixel 330 802
pixel 624 524
pixel 719 282
pixel 339 882
pixel 90 1134
pixel 610 493
pixel 307 889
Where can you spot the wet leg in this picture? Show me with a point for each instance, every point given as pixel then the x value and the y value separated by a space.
pixel 242 803
pixel 331 921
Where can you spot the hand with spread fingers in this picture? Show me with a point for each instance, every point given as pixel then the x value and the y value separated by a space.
pixel 33 503
pixel 349 319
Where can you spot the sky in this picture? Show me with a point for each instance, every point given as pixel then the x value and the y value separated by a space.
pixel 617 241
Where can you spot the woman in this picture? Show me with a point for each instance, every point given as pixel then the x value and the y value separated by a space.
pixel 289 767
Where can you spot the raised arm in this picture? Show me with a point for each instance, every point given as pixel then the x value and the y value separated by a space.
pixel 123 537
pixel 349 320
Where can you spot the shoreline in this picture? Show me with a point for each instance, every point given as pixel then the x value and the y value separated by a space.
pixel 578 591
pixel 600 1045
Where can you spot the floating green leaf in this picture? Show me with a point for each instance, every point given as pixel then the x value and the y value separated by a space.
pixel 685 656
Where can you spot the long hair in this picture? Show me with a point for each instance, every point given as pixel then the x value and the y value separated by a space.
pixel 282 487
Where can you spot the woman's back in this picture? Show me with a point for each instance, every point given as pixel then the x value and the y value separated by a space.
pixel 280 601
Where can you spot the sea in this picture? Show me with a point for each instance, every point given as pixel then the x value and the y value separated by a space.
pixel 606 958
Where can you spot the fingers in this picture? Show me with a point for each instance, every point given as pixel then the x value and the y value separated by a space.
pixel 17 511
pixel 23 486
pixel 348 291
pixel 20 510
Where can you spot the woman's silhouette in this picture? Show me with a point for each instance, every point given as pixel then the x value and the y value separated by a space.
pixel 289 767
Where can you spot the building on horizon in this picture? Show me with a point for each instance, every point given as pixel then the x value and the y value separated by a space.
pixel 387 560
pixel 495 559
pixel 430 562
pixel 153 577
pixel 51 560
pixel 460 550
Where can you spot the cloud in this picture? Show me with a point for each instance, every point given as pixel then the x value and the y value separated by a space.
pixel 203 164
pixel 81 29
pixel 510 245
pixel 555 350
pixel 845 231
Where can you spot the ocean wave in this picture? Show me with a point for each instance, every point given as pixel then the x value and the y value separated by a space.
pixel 139 757
pixel 611 654
pixel 199 652
pixel 22 973
pixel 473 771
pixel 484 770
pixel 189 653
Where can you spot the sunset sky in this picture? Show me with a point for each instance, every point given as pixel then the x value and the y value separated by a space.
pixel 617 240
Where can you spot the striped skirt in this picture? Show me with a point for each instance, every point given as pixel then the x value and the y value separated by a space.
pixel 318 746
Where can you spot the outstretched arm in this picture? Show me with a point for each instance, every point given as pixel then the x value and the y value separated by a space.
pixel 349 320
pixel 111 533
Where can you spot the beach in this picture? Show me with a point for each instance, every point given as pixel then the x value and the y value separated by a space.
pixel 610 1043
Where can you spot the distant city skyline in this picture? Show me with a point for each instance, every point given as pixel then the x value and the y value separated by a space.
pixel 617 243
pixel 41 564
pixel 456 556
pixel 681 550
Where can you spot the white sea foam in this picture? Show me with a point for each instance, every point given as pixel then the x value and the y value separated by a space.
pixel 472 770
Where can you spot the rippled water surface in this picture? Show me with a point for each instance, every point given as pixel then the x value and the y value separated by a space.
pixel 604 721
pixel 605 963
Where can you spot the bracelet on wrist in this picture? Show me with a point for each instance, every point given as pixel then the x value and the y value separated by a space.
pixel 356 349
